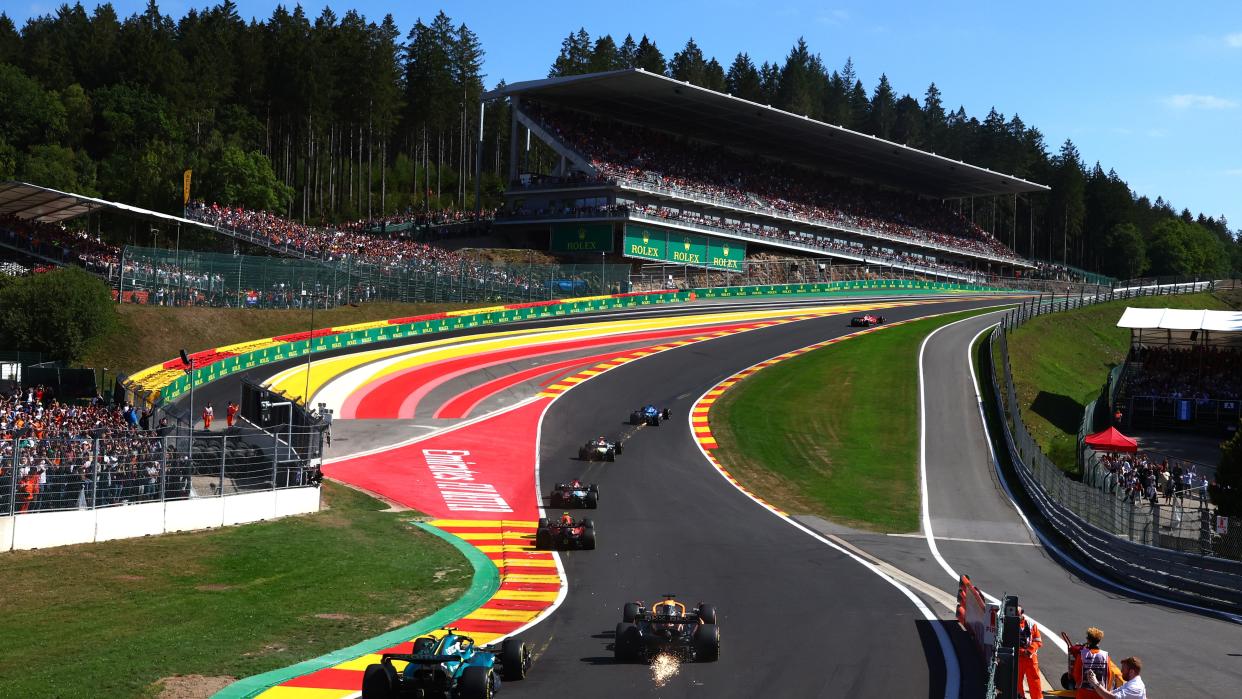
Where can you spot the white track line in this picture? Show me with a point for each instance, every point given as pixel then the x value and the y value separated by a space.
pixel 1064 558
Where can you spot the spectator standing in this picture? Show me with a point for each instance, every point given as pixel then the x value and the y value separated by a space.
pixel 208 413
pixel 230 413
pixel 1132 688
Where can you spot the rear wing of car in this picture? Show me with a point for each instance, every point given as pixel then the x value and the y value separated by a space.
pixel 687 618
pixel 420 659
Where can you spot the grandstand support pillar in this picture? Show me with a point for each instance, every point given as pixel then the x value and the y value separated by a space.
pixel 514 104
pixel 478 163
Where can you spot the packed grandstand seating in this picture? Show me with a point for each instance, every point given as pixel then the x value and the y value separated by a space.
pixel 57 459
pixel 873 253
pixel 56 242
pixel 1200 372
pixel 622 153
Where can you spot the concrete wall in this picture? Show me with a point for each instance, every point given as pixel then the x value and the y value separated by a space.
pixel 39 530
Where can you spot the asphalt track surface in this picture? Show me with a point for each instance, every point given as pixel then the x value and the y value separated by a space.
pixel 798 618
pixel 980 534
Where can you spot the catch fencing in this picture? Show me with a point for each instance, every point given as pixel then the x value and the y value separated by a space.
pixel 130 468
pixel 1138 542
pixel 157 276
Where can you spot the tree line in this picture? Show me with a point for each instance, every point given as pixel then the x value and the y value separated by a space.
pixel 332 118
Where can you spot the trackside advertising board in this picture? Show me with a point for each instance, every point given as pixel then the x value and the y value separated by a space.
pixel 581 237
pixel 647 243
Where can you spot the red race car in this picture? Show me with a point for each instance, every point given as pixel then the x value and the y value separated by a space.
pixel 866 320
pixel 565 533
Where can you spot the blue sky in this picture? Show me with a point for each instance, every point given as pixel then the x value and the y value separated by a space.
pixel 1150 89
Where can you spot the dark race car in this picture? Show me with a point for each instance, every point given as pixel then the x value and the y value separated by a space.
pixel 866 320
pixel 451 667
pixel 667 628
pixel 649 415
pixel 575 494
pixel 600 450
pixel 565 533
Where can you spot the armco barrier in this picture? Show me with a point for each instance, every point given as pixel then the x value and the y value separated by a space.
pixel 168 381
pixel 1092 527
pixel 40 530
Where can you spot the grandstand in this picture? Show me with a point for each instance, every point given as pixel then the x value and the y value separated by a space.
pixel 651 158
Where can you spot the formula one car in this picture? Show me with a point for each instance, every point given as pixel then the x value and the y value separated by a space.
pixel 451 667
pixel 575 494
pixel 565 533
pixel 600 449
pixel 667 628
pixel 649 415
pixel 866 321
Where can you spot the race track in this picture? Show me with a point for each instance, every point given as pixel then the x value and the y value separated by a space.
pixel 798 617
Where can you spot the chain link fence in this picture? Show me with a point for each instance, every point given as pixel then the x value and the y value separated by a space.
pixel 48 475
pixel 1185 522
pixel 170 278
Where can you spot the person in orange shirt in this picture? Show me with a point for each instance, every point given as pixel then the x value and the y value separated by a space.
pixel 1090 658
pixel 230 413
pixel 1029 643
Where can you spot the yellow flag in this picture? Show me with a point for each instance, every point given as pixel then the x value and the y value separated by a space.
pixel 186 196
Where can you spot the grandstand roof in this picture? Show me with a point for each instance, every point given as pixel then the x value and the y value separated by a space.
pixel 1180 319
pixel 30 202
pixel 650 99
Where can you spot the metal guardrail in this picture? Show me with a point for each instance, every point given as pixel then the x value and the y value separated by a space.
pixel 1125 541
pixel 85 473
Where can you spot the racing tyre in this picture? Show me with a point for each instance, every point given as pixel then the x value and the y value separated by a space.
pixel 584 455
pixel 629 612
pixel 618 448
pixel 379 682
pixel 707 643
pixel 588 539
pixel 514 659
pixel 555 500
pixel 593 488
pixel 635 419
pixel 592 500
pixel 588 523
pixel 707 612
pixel 543 522
pixel 611 455
pixel 543 539
pixel 625 647
pixel 475 683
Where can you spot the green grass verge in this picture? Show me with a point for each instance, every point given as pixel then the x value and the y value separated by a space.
pixel 147 335
pixel 113 619
pixel 1060 361
pixel 833 432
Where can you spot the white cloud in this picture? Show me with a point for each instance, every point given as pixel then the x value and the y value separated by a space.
pixel 1199 102
pixel 1234 40
pixel 833 17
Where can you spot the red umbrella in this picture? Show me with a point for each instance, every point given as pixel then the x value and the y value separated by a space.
pixel 1111 440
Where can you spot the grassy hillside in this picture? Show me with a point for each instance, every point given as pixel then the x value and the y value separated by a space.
pixel 149 335
pixel 1061 360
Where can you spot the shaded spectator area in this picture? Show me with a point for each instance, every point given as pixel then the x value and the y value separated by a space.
pixel 631 143
pixel 1183 370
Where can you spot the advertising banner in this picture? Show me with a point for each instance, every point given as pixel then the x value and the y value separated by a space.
pixel 581 237
pixel 645 242
pixel 727 255
pixel 687 249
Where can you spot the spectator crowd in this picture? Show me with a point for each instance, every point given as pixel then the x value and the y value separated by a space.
pixel 1201 372
pixel 1138 477
pixel 625 154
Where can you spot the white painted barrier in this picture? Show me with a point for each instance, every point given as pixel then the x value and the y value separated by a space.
pixel 129 521
pixel 6 533
pixel 200 513
pixel 39 530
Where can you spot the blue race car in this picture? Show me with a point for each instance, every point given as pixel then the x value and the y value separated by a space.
pixel 649 415
pixel 451 667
